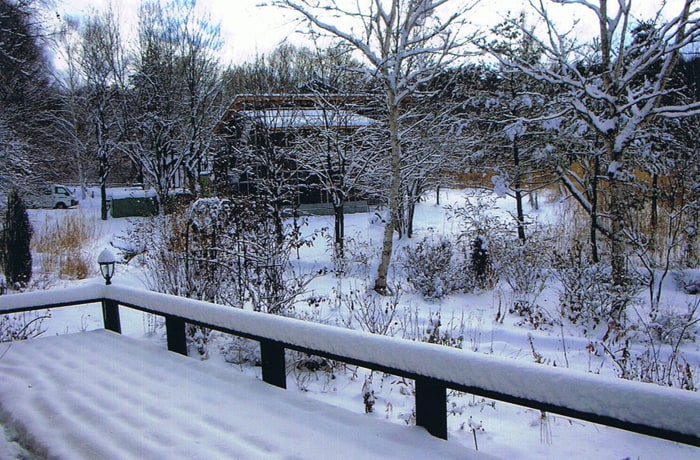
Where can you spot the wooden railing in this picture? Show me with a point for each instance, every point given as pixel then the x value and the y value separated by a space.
pixel 617 403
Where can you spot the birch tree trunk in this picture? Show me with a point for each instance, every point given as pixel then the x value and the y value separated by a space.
pixel 380 283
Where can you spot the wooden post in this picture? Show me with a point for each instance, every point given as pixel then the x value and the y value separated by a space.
pixel 175 330
pixel 431 406
pixel 110 316
pixel 274 369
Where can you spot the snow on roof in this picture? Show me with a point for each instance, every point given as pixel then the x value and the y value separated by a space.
pixel 241 101
pixel 101 395
pixel 273 103
pixel 280 119
pixel 122 193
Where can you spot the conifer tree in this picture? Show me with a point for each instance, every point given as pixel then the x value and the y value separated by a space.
pixel 16 237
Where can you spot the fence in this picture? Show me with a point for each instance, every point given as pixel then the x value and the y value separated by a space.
pixel 648 409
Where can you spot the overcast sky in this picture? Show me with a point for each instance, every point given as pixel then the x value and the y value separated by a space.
pixel 248 30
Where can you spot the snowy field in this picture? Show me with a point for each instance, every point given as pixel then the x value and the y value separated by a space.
pixel 499 429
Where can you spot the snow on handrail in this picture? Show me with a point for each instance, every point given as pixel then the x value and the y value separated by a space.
pixel 37 300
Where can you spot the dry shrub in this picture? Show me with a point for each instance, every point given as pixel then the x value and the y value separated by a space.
pixel 63 245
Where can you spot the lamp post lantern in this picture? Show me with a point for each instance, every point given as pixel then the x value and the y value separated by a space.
pixel 106 261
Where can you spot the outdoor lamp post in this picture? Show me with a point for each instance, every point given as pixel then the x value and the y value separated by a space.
pixel 106 260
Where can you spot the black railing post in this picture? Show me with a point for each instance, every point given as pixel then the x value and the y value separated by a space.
pixel 431 406
pixel 274 369
pixel 177 338
pixel 110 315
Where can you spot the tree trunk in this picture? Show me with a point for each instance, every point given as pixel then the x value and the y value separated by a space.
pixel 103 188
pixel 339 211
pixel 618 256
pixel 691 236
pixel 409 220
pixel 594 210
pixel 520 213
pixel 654 218
pixel 401 213
pixel 413 194
pixel 380 283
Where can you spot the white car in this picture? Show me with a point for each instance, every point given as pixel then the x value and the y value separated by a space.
pixel 53 196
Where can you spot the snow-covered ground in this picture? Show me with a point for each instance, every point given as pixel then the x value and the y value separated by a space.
pixel 505 431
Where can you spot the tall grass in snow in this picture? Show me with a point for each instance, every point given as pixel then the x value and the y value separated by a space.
pixel 62 246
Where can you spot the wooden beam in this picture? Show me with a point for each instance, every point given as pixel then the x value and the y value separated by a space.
pixel 431 406
pixel 177 339
pixel 274 369
pixel 110 316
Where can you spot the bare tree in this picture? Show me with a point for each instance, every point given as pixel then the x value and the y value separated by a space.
pixel 617 85
pixel 176 87
pixel 514 111
pixel 337 151
pixel 25 96
pixel 404 42
pixel 103 66
pixel 71 120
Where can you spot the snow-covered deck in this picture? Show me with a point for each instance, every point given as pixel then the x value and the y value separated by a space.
pixel 102 395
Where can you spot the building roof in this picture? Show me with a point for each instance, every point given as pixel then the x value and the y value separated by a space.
pixel 283 119
pixel 299 111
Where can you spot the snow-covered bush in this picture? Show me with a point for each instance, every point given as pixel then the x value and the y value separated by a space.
pixel 337 254
pixel 436 267
pixel 240 351
pixel 652 352
pixel 533 315
pixel 652 366
pixel 198 337
pixel 310 372
pixel 482 233
pixel 526 269
pixel 431 269
pixel 224 251
pixel 368 397
pixel 359 255
pixel 22 326
pixel 182 255
pixel 688 281
pixel 584 296
pixel 174 261
pixel 365 310
pixel 674 328
pixel 451 334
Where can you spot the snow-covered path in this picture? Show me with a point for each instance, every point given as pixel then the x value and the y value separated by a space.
pixel 101 395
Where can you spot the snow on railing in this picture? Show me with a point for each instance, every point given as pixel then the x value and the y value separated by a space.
pixel 649 409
